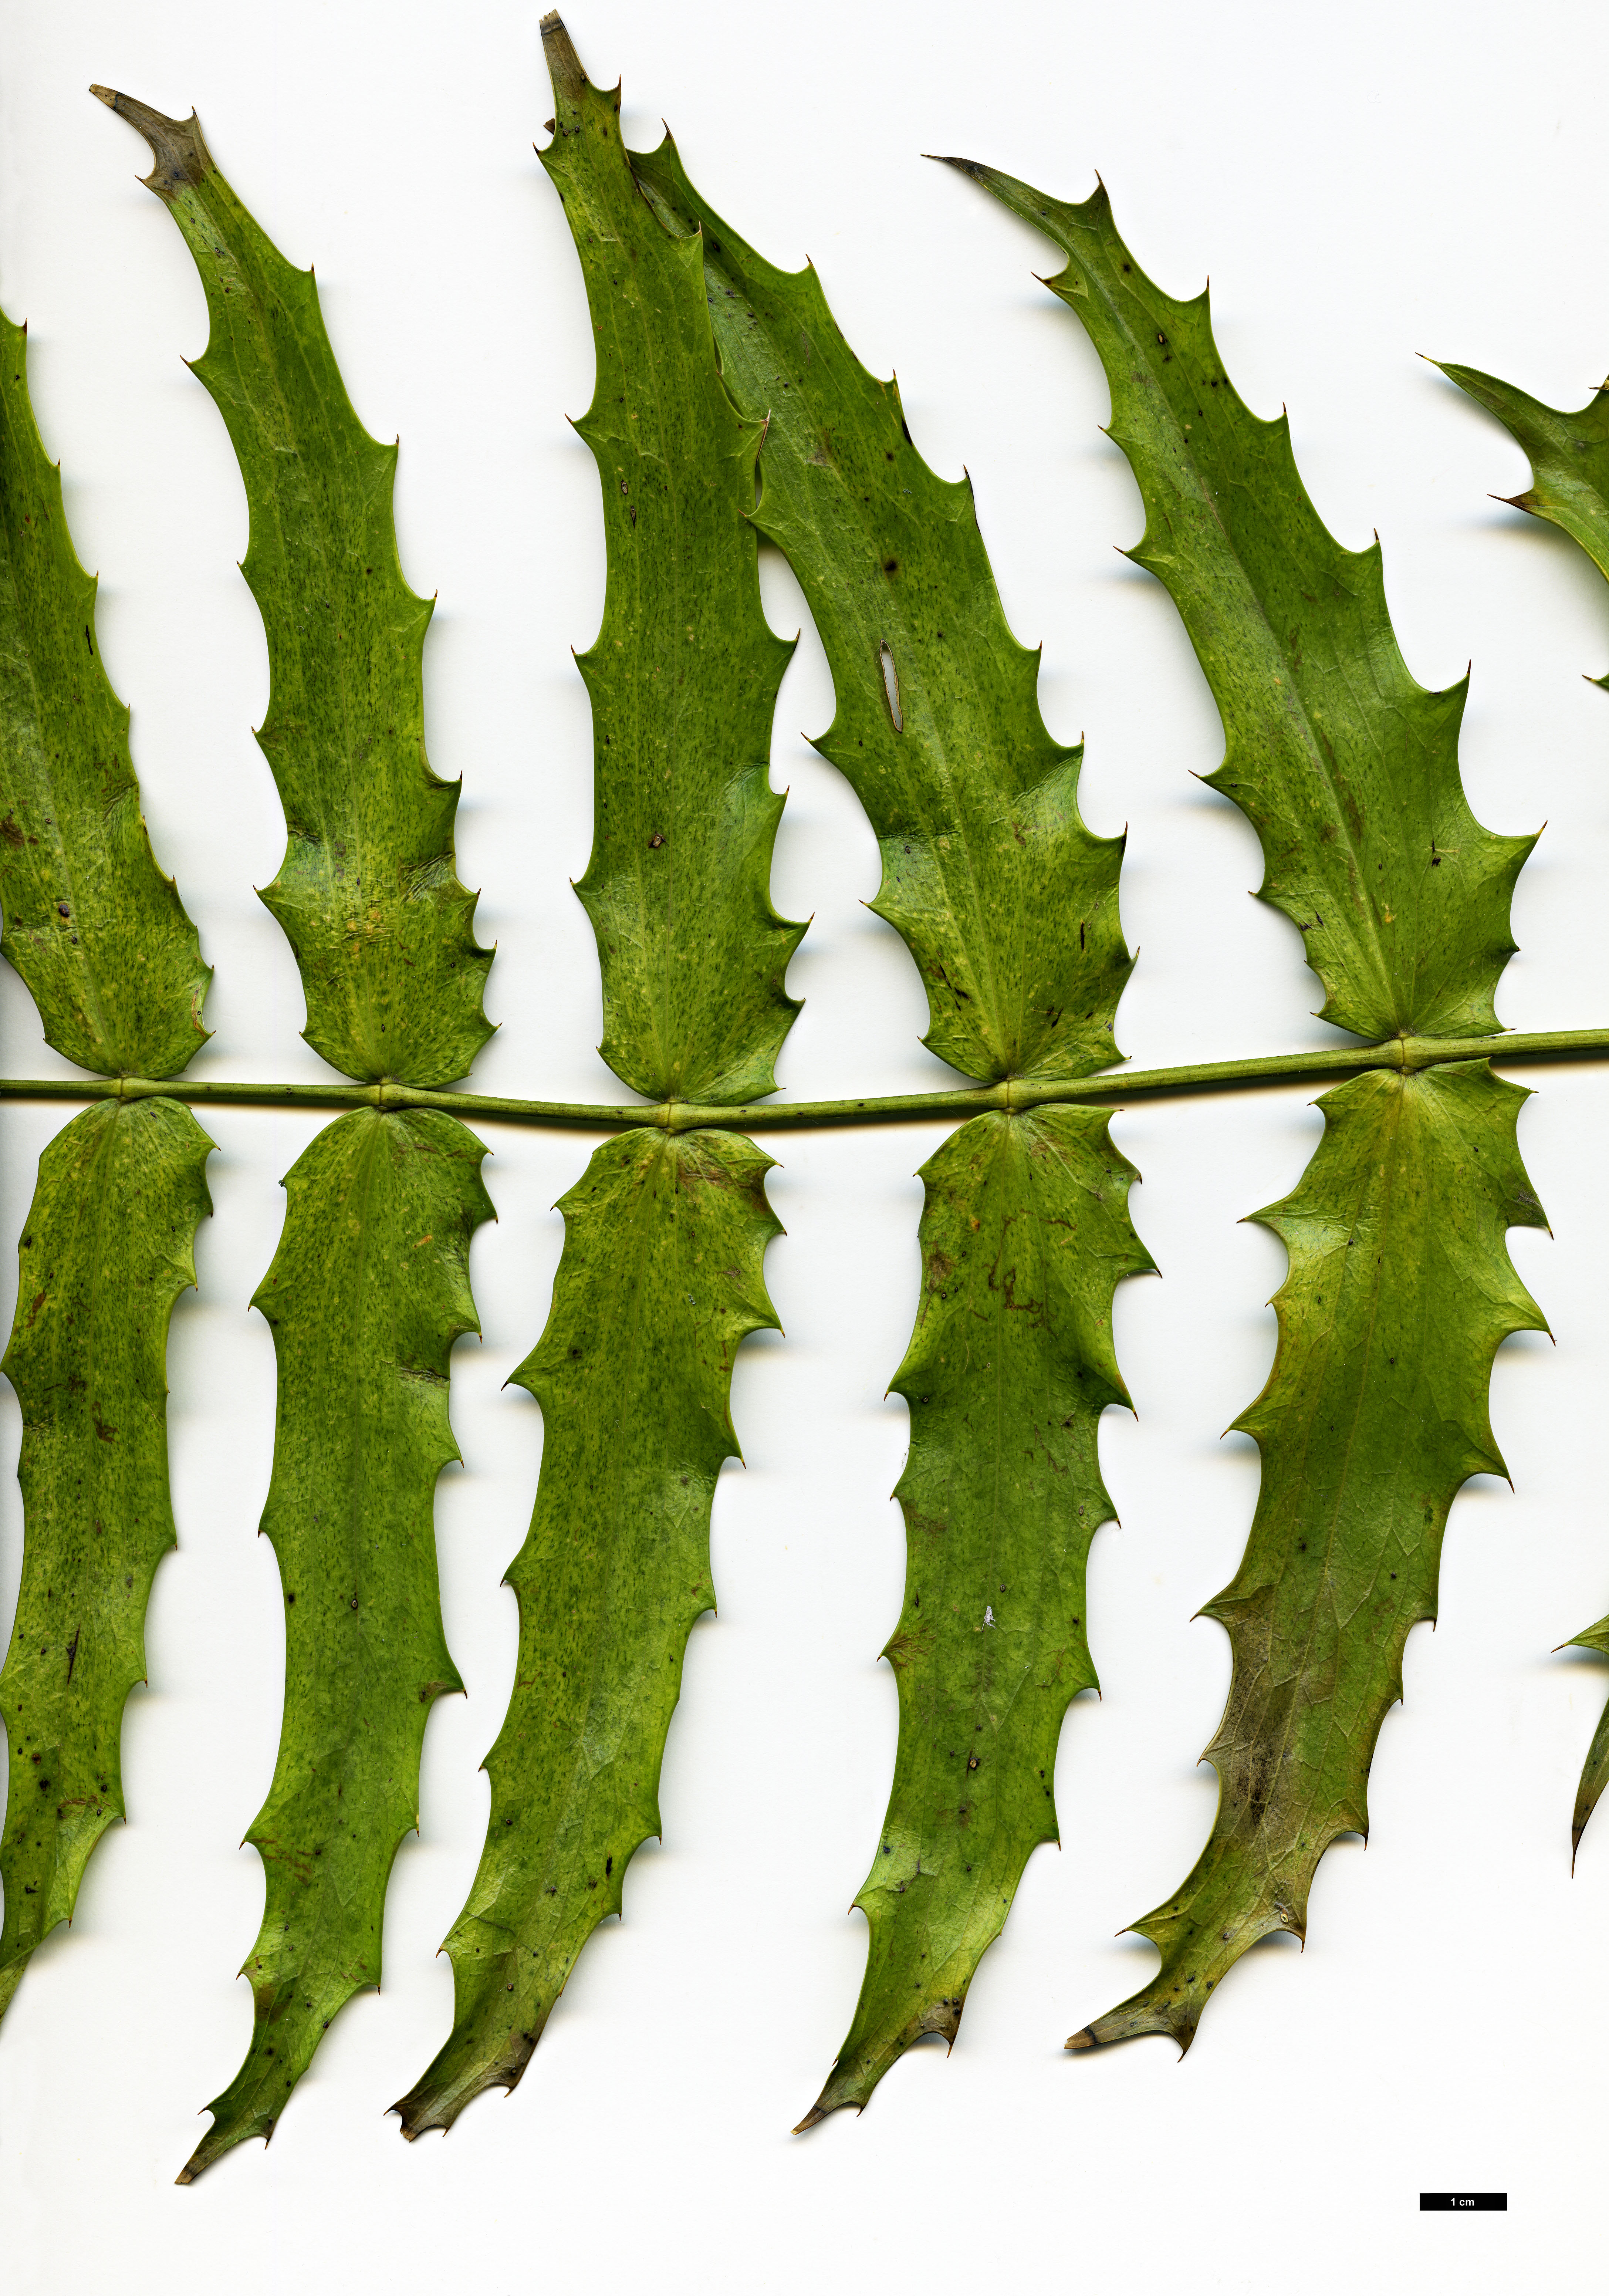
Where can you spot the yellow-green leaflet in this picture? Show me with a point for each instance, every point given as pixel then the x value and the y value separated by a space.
pixel 368 893
pixel 685 669
pixel 107 1250
pixel 661 1278
pixel 367 1292
pixel 1025 1237
pixel 1400 1287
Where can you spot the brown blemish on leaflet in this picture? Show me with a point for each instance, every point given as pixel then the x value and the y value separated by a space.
pixel 176 146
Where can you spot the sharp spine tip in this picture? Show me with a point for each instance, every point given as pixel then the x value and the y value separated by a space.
pixel 564 65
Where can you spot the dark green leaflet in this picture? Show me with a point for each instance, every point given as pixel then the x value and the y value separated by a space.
pixel 684 671
pixel 1399 1293
pixel 367 1292
pixel 92 926
pixel 368 893
pixel 1025 1237
pixel 662 1277
pixel 1346 768
pixel 107 1250
pixel 1007 902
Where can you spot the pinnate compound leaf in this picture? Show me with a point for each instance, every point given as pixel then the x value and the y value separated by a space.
pixel 1569 456
pixel 1346 768
pixel 367 1292
pixel 97 932
pixel 107 1250
pixel 684 671
pixel 1025 1237
pixel 661 1279
pixel 1007 902
pixel 368 894
pixel 1400 1291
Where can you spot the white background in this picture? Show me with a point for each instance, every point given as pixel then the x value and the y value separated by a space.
pixel 1363 184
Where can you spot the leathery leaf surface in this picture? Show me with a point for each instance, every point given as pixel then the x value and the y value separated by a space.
pixel 1346 768
pixel 1007 902
pixel 107 1250
pixel 92 926
pixel 684 670
pixel 368 893
pixel 661 1279
pixel 1400 1292
pixel 1569 456
pixel 367 1292
pixel 1025 1235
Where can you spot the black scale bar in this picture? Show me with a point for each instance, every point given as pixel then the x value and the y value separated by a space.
pixel 1462 2201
